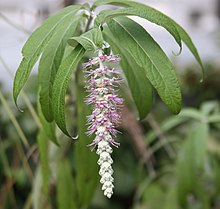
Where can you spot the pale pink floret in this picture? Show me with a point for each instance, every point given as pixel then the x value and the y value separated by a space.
pixel 101 83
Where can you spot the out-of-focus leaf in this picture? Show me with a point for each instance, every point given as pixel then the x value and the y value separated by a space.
pixel 167 125
pixel 65 186
pixel 91 40
pixel 214 119
pixel 208 107
pixel 191 113
pixel 85 160
pixel 44 161
pixel 139 85
pixel 39 200
pixel 191 161
pixel 149 56
pixel 36 44
pixel 61 81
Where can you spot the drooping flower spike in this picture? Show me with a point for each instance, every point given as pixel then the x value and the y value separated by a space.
pixel 101 83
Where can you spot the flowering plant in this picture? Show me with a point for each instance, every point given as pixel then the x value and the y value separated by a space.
pixel 122 50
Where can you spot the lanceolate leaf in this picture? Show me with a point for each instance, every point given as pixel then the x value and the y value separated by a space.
pixel 149 56
pixel 182 33
pixel 147 13
pixel 36 44
pixel 139 85
pixel 48 128
pixel 50 62
pixel 90 40
pixel 61 83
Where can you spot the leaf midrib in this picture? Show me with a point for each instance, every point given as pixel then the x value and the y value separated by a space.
pixel 153 65
pixel 52 29
pixel 63 80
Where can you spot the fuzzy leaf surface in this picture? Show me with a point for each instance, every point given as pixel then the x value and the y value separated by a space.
pixel 90 40
pixel 36 44
pixel 138 83
pixel 149 56
pixel 50 62
pixel 182 33
pixel 148 13
pixel 61 81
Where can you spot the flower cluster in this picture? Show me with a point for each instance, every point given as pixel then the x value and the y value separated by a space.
pixel 102 81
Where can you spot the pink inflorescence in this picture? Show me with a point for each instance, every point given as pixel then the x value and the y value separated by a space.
pixel 101 83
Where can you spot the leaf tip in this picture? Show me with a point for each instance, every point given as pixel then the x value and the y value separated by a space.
pixel 75 137
pixel 179 52
pixel 16 104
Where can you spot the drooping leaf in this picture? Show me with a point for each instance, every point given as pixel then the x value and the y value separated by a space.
pixel 147 13
pixel 36 44
pixel 61 81
pixel 149 56
pixel 48 128
pixel 50 62
pixel 85 160
pixel 139 85
pixel 91 40
pixel 65 186
pixel 116 2
pixel 182 33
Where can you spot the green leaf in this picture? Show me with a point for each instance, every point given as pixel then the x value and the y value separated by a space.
pixel 44 161
pixel 182 33
pixel 200 140
pixel 147 13
pixel 48 128
pixel 91 40
pixel 50 62
pixel 149 56
pixel 61 81
pixel 191 113
pixel 166 126
pixel 214 119
pixel 117 3
pixel 36 44
pixel 65 186
pixel 191 161
pixel 139 85
pixel 85 160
